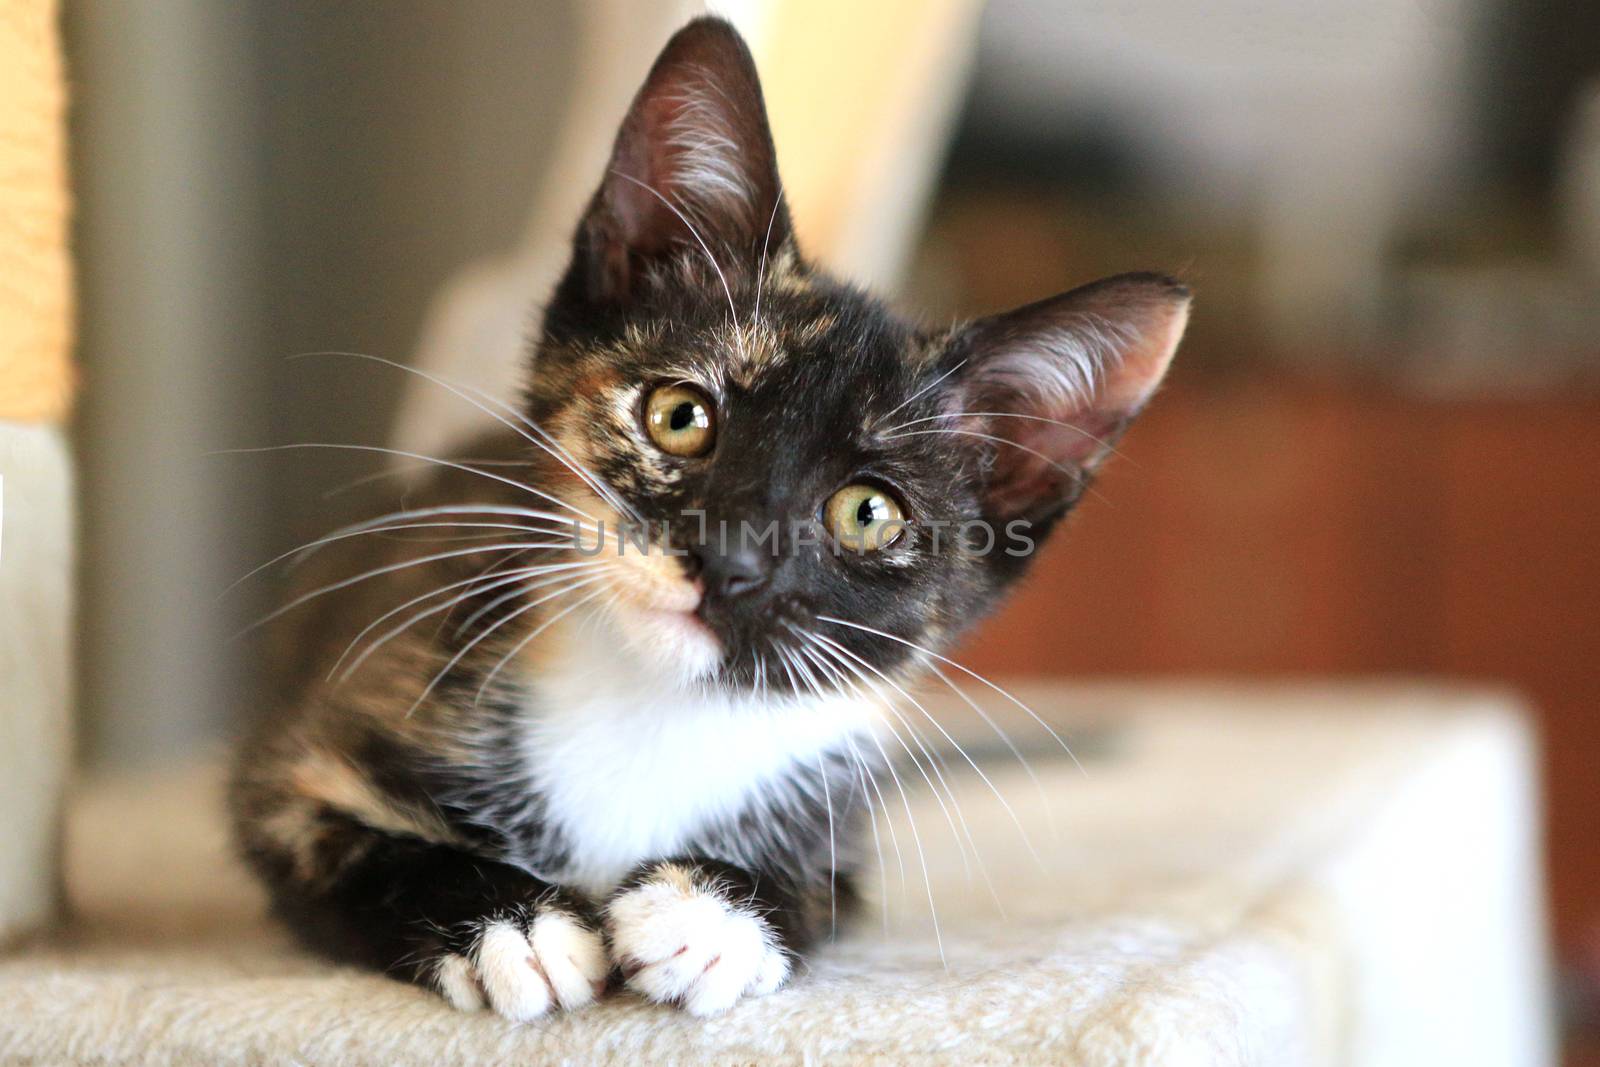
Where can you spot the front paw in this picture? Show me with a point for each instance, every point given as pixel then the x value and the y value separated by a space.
pixel 678 939
pixel 524 965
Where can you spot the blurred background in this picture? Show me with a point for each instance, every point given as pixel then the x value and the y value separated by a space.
pixel 1378 455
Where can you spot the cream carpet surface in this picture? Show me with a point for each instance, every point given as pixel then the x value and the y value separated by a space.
pixel 1276 876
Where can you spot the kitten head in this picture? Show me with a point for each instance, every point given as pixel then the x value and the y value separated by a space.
pixel 820 484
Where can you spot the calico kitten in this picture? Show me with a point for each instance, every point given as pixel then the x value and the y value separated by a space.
pixel 509 763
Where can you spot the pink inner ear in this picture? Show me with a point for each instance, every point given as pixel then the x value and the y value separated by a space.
pixel 1039 462
pixel 694 152
pixel 1081 442
pixel 1145 361
pixel 1062 378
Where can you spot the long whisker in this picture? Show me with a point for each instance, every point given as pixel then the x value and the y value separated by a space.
pixel 392 534
pixel 987 437
pixel 938 772
pixel 514 576
pixel 1102 442
pixel 562 572
pixel 925 388
pixel 807 673
pixel 965 670
pixel 541 628
pixel 866 776
pixel 607 606
pixel 470 645
pixel 758 670
pixel 788 669
pixel 916 840
pixel 389 569
pixel 869 778
pixel 761 274
pixel 960 833
pixel 961 846
pixel 951 741
pixel 802 655
pixel 733 312
pixel 833 853
pixel 397 528
pixel 911 821
pixel 409 455
pixel 566 522
pixel 941 770
pixel 400 469
pixel 545 440
pixel 505 565
pixel 862 776
pixel 1005 739
pixel 822 774
pixel 467 623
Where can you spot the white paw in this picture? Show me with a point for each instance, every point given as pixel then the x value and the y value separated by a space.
pixel 679 941
pixel 523 973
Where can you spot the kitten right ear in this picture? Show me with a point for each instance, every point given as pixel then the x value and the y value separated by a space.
pixel 693 161
pixel 1049 387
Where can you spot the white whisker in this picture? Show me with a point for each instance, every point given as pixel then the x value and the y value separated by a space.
pixel 410 455
pixel 545 441
pixel 376 572
pixel 397 470
pixel 1005 739
pixel 917 764
pixel 862 776
pixel 935 763
pixel 987 437
pixel 911 821
pixel 392 612
pixel 924 389
pixel 541 628
pixel 470 645
pixel 761 274
pixel 967 671
pixel 1102 442
pixel 467 623
pixel 733 312
pixel 421 512
pixel 562 571
pixel 328 539
pixel 833 853
pixel 1023 833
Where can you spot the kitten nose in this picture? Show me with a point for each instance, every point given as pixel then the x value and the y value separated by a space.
pixel 732 572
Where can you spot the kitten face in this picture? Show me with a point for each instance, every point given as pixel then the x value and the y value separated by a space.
pixel 804 402
pixel 801 466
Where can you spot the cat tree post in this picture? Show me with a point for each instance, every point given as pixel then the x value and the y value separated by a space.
pixel 36 530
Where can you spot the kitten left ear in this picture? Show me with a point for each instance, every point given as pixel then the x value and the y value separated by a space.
pixel 1052 385
pixel 693 160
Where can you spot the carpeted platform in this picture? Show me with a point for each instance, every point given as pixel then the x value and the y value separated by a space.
pixel 1274 876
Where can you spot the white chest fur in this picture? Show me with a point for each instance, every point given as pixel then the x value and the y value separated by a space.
pixel 631 764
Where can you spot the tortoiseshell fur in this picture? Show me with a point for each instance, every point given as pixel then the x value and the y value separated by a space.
pixel 425 814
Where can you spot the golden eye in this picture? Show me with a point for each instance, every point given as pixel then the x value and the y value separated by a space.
pixel 864 518
pixel 678 419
